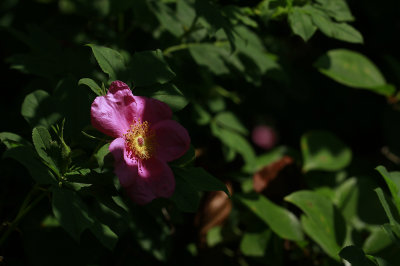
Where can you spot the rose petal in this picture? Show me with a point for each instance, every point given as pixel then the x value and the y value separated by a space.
pixel 113 113
pixel 155 180
pixel 125 168
pixel 152 110
pixel 172 140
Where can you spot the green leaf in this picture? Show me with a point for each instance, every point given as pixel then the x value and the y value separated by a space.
pixel 167 17
pixel 12 140
pixel 186 197
pixel 355 256
pixel 391 230
pixel 39 108
pixel 324 151
pixel 322 222
pixel 356 200
pixel 214 20
pixel 255 244
pixel 71 212
pixel 301 23
pixel 214 236
pixel 186 159
pixel 200 179
pixel 104 234
pixel 235 141
pixel 47 149
pixel 109 60
pixel 29 159
pixel 281 221
pixel 391 214
pixel 149 67
pixel 253 60
pixel 341 31
pixel 210 56
pixel 266 159
pixel 337 9
pixel 376 241
pixel 354 70
pixel 229 120
pixel 386 90
pixel 394 190
pixel 167 93
pixel 92 85
pixel 101 153
pixel 240 15
pixel 201 115
pixel 185 13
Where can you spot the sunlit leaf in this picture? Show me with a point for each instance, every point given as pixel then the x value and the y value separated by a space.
pixel 322 222
pixel 92 85
pixel 109 60
pixel 281 221
pixel 301 23
pixel 254 244
pixel 354 70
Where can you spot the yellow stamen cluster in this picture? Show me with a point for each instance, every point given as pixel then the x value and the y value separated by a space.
pixel 140 140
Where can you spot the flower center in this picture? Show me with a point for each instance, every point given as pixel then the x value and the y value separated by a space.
pixel 140 140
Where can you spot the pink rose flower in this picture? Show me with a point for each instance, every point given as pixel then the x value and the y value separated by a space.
pixel 264 137
pixel 146 138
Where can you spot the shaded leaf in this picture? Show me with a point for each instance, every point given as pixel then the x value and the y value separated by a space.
pixel 355 256
pixel 71 212
pixel 186 196
pixel 376 241
pixel 234 141
pixel 324 151
pixel 149 67
pixel 104 234
pixel 200 179
pixel 229 120
pixel 186 159
pixel 29 159
pixel 167 17
pixel 390 212
pixel 167 93
pixel 393 188
pixel 47 149
pixel 12 140
pixel 266 159
pixel 39 108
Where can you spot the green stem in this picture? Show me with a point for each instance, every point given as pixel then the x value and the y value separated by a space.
pixel 178 47
pixel 25 208
pixel 184 46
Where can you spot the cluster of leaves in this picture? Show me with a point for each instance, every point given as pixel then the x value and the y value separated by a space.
pixel 223 67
